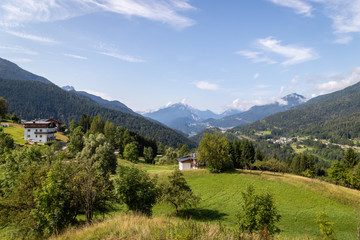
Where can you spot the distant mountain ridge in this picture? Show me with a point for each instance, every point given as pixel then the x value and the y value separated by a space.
pixel 334 115
pixel 192 121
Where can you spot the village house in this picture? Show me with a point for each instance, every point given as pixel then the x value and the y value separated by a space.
pixel 188 162
pixel 41 131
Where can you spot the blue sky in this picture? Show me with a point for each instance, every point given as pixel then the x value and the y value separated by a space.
pixel 209 54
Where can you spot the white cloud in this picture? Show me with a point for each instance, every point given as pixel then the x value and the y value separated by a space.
pixel 345 14
pixel 18 49
pixel 126 58
pixel 20 60
pixel 256 57
pixel 17 12
pixel 301 7
pixel 183 101
pixel 99 94
pixel 256 75
pixel 333 85
pixel 32 37
pixel 294 54
pixel 206 85
pixel 295 80
pixel 75 56
pixel 343 39
pixel 243 105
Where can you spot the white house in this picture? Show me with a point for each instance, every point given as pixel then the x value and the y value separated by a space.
pixel 39 131
pixel 188 162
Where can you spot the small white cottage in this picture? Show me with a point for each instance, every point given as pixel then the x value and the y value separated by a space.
pixel 39 131
pixel 188 162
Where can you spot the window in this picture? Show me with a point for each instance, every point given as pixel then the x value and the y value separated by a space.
pixel 36 136
pixel 28 136
pixel 40 130
pixel 28 130
pixel 41 136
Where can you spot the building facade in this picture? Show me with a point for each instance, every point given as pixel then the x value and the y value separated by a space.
pixel 188 162
pixel 39 131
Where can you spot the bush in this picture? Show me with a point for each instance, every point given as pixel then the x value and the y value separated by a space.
pixel 136 189
pixel 259 214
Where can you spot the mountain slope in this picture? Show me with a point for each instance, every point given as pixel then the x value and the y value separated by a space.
pixel 180 117
pixel 331 115
pixel 176 111
pixel 32 100
pixel 253 114
pixel 114 105
pixel 9 70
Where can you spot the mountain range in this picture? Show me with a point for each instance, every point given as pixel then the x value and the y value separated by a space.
pixel 331 116
pixel 31 96
pixel 192 121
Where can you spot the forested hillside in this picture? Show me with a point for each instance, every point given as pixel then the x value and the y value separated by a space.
pixel 9 70
pixel 31 100
pixel 334 115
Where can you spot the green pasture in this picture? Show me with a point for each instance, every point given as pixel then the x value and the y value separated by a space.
pixel 298 200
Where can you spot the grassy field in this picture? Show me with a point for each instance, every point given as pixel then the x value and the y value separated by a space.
pixel 16 131
pixel 298 200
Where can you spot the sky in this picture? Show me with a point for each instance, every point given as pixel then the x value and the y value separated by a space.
pixel 209 54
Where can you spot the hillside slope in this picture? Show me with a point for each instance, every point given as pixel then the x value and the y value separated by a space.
pixel 331 115
pixel 9 70
pixel 32 100
pixel 114 105
pixel 298 200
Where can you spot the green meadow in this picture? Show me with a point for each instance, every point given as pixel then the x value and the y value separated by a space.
pixel 298 200
pixel 17 133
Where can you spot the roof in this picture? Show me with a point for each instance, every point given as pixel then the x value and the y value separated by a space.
pixel 191 156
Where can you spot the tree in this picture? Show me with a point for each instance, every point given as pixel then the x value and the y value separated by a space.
pixel 56 207
pixel 148 154
pixel 85 122
pixel 214 152
pixel 177 193
pixel 350 158
pixel 136 189
pixel 76 142
pixel 259 214
pixel 326 227
pixel 92 182
pixel 183 150
pixel 248 153
pixel 109 131
pixel 337 173
pixel 73 125
pixel 3 107
pixel 99 152
pixel 131 152
pixel 97 125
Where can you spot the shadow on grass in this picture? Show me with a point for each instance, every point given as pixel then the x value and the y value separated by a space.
pixel 201 214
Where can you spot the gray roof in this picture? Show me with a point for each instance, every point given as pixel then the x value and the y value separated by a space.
pixel 188 157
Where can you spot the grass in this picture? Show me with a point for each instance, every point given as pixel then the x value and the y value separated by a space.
pixel 60 136
pixel 298 199
pixel 140 227
pixel 16 131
